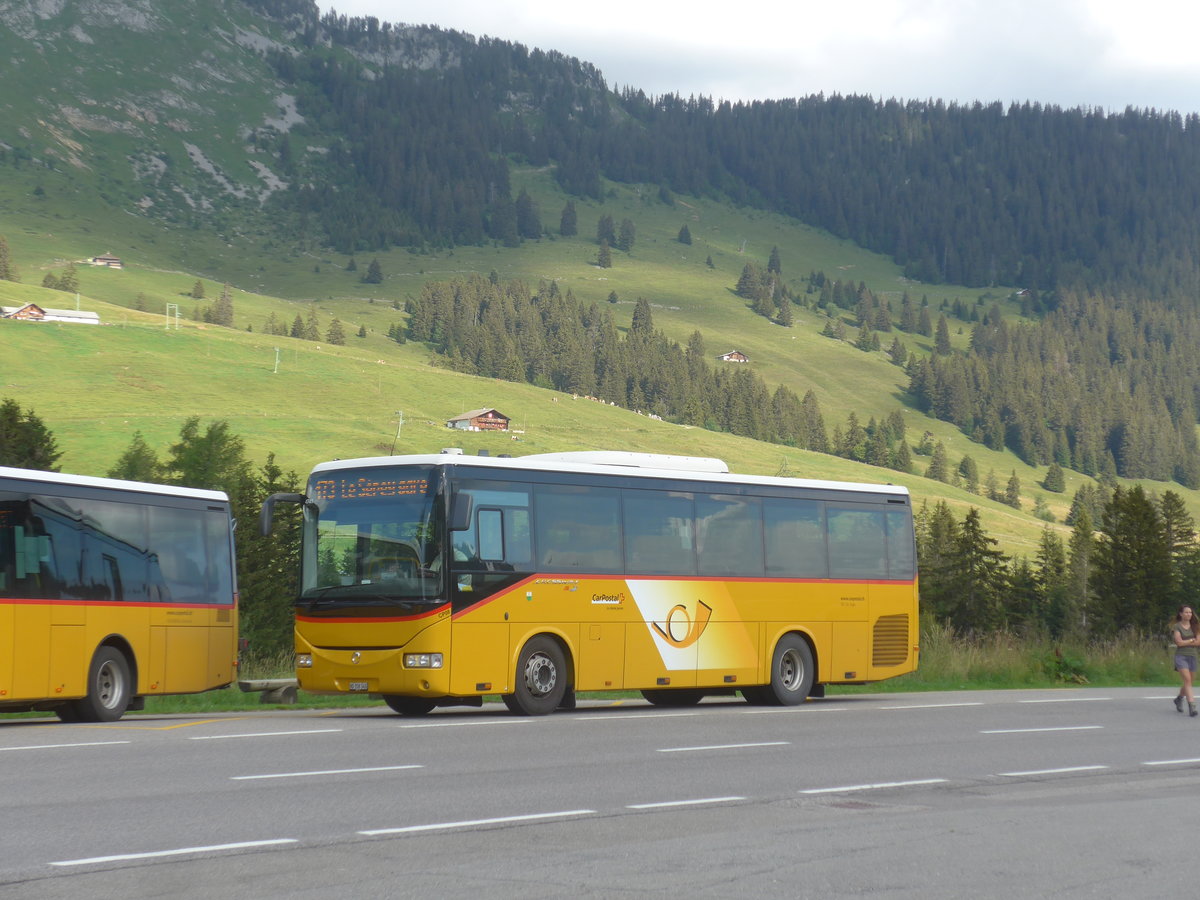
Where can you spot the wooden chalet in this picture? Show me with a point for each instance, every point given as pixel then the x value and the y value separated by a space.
pixel 108 261
pixel 31 312
pixel 734 356
pixel 480 420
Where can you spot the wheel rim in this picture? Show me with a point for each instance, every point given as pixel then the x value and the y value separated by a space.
pixel 791 669
pixel 109 685
pixel 540 675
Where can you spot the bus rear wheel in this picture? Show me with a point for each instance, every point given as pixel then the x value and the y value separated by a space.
pixel 541 680
pixel 408 706
pixel 791 674
pixel 109 690
pixel 676 697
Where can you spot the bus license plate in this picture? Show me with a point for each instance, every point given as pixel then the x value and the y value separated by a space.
pixel 358 685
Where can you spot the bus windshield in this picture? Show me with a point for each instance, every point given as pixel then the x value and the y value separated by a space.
pixel 373 537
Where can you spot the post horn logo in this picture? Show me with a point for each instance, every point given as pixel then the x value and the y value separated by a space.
pixel 681 629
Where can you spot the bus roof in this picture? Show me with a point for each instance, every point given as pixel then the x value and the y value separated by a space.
pixel 112 484
pixel 603 462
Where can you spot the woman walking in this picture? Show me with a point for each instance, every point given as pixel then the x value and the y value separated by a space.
pixel 1184 636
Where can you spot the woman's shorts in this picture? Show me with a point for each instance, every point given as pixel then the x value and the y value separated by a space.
pixel 1185 662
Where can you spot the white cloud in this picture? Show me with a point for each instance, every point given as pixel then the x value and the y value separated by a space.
pixel 1107 53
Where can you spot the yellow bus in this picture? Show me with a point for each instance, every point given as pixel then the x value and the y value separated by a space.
pixel 436 579
pixel 111 591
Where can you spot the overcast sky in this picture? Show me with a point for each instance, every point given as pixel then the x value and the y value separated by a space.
pixel 1105 53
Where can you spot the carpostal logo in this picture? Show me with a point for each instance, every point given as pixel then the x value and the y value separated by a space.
pixel 680 629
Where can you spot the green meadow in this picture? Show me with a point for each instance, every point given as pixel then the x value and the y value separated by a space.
pixel 306 401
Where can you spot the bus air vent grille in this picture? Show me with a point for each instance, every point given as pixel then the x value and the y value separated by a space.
pixel 890 644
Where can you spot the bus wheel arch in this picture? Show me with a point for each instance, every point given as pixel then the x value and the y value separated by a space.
pixel 792 674
pixel 542 678
pixel 111 684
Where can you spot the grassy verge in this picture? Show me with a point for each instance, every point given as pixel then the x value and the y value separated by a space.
pixel 949 662
pixel 954 662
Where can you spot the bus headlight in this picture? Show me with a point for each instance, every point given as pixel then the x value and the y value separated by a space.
pixel 303 660
pixel 422 660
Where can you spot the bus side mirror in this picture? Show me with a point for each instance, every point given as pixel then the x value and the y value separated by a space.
pixel 460 512
pixel 268 510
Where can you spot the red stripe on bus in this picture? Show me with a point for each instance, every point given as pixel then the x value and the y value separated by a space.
pixel 552 580
pixel 113 604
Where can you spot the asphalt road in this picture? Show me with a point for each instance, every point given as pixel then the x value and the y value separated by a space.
pixel 1073 793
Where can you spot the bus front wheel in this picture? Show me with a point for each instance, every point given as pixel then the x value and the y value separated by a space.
pixel 541 678
pixel 109 690
pixel 408 706
pixel 791 674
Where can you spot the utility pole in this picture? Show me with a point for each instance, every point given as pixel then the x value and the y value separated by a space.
pixel 399 425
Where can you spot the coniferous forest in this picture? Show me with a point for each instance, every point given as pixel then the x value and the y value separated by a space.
pixel 1026 195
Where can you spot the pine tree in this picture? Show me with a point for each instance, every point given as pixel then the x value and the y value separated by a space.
pixel 977 579
pixel 312 328
pixel 8 272
pixel 50 281
pixel 1012 491
pixel 626 235
pixel 374 274
pixel 685 236
pixel 938 469
pixel 25 441
pixel 1081 563
pixel 1055 481
pixel 1132 565
pixel 222 311
pixel 969 470
pixel 773 264
pixel 69 281
pixel 568 224
pixel 606 232
pixel 335 335
pixel 212 460
pixel 198 290
pixel 138 463
pixel 941 343
pixel 297 327
pixel 529 223
pixel 604 257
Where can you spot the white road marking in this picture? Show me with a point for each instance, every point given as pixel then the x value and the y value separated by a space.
pixel 324 772
pixel 723 747
pixel 1171 762
pixel 934 705
pixel 809 710
pixel 223 737
pixel 609 717
pixel 1052 771
pixel 872 787
pixel 62 746
pixel 1067 700
pixel 470 823
pixel 1033 730
pixel 467 722
pixel 684 802
pixel 215 848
